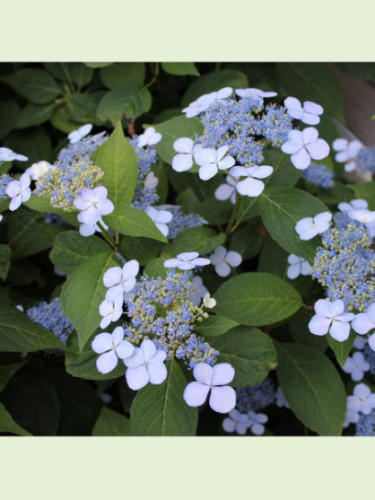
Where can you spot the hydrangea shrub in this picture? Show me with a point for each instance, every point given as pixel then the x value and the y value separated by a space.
pixel 212 273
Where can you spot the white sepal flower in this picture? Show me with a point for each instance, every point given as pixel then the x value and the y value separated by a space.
pixel 111 347
pixel 212 160
pixel 90 229
pixel 356 365
pixel 359 342
pixel 236 422
pixel 353 405
pixel 353 206
pixel 110 310
pixel 364 322
pixel 7 154
pixel 214 379
pixel 255 93
pixel 149 138
pixel 309 227
pixel 331 317
pixel 160 218
pixel 186 261
pixel 120 280
pixel 223 260
pixel 151 181
pixel 308 113
pixel 184 160
pixel 38 170
pixel 93 203
pixel 198 292
pixel 256 421
pixel 145 365
pixel 78 134
pixel 347 152
pixel 228 190
pixel 305 145
pixel 208 301
pixel 297 266
pixel 19 191
pixel 206 101
pixel 366 398
pixel 251 186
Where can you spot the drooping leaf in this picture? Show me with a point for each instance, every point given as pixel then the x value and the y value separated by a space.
pixel 84 291
pixel 160 410
pixel 257 299
pixel 7 424
pixel 117 158
pixel 175 68
pixel 249 351
pixel 312 387
pixel 111 423
pixel 34 84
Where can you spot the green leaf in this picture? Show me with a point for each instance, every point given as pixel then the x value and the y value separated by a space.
pixel 117 158
pixel 172 130
pixel 284 172
pixel 34 84
pixel 42 205
pixel 61 120
pixel 365 191
pixel 7 424
pixel 33 114
pixel 33 403
pixel 71 249
pixel 312 387
pixel 9 115
pixel 314 82
pixel 7 372
pixel 84 291
pixel 341 349
pixel 247 241
pixel 72 73
pixel 29 234
pixel 133 222
pixel 214 81
pixel 281 209
pixel 214 326
pixel 249 351
pixel 156 268
pixel 82 107
pixel 257 299
pixel 141 249
pixel 302 335
pixel 4 261
pixel 364 71
pixel 160 410
pixel 97 64
pixel 119 75
pixel 19 334
pixel 111 423
pixel 175 68
pixel 125 102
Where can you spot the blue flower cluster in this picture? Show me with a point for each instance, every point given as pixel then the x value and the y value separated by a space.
pixel 240 125
pixel 52 317
pixel 366 425
pixel 4 181
pixel 147 157
pixel 181 221
pixel 256 397
pixel 319 175
pixel 73 172
pixel 345 264
pixel 160 309
pixel 365 161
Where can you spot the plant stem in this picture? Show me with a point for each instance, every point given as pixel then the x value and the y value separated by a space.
pixel 155 77
pixel 233 216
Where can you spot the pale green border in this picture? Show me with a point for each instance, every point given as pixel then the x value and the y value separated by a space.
pixel 191 468
pixel 199 30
